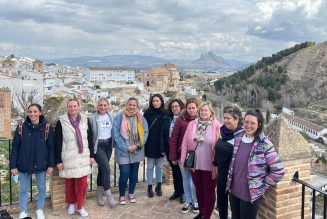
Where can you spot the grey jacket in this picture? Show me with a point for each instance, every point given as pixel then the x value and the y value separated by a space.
pixel 94 121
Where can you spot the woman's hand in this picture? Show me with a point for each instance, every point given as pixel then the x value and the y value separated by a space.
pixel 14 171
pixel 174 162
pixel 49 170
pixel 92 161
pixel 60 166
pixel 132 148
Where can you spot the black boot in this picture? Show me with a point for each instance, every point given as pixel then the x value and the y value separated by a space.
pixel 158 189
pixel 150 191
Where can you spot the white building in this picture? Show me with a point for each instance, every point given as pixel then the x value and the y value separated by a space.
pixel 190 91
pixel 312 130
pixel 105 74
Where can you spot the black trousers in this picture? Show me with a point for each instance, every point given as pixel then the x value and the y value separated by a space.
pixel 243 209
pixel 222 195
pixel 177 179
pixel 102 158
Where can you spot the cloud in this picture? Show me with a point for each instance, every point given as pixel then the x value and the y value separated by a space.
pixel 237 29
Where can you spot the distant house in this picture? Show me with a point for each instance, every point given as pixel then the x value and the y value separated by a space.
pixel 190 91
pixel 106 74
pixel 8 63
pixel 158 79
pixel 288 111
pixel 312 130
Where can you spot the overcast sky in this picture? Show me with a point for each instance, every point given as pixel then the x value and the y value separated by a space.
pixel 234 29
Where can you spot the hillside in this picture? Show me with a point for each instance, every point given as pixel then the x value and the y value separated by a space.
pixel 294 77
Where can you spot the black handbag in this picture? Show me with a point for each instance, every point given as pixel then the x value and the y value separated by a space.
pixel 189 160
pixel 190 157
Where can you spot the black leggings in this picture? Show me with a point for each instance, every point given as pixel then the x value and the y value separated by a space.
pixel 243 209
pixel 222 195
pixel 102 158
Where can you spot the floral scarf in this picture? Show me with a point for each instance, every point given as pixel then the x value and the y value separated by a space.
pixel 201 130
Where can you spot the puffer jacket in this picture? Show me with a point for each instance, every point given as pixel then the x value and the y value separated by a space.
pixel 33 152
pixel 265 168
pixel 176 139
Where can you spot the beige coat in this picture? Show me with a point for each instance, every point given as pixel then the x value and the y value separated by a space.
pixel 76 164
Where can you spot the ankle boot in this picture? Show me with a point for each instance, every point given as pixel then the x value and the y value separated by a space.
pixel 158 189
pixel 111 200
pixel 150 191
pixel 100 196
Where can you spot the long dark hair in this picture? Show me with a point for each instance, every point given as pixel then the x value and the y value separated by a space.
pixel 169 112
pixel 161 108
pixel 257 113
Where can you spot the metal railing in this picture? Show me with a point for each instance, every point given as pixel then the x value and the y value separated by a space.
pixel 9 190
pixel 313 201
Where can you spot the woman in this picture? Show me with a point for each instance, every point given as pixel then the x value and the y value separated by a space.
pixel 75 154
pixel 32 153
pixel 201 136
pixel 154 117
pixel 102 122
pixel 175 143
pixel 256 166
pixel 173 111
pixel 130 134
pixel 223 154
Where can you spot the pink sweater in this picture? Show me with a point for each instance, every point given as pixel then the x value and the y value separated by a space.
pixel 189 144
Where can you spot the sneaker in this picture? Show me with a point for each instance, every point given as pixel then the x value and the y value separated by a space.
pixel 215 211
pixel 71 209
pixel 122 200
pixel 23 214
pixel 40 214
pixel 132 198
pixel 186 208
pixel 196 208
pixel 82 212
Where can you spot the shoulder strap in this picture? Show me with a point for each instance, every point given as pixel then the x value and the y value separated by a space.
pixel 46 134
pixel 152 123
pixel 20 129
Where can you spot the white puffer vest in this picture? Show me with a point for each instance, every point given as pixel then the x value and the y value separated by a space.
pixel 76 165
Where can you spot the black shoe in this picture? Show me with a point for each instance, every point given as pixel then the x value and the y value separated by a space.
pixel 150 191
pixel 182 199
pixel 198 216
pixel 173 196
pixel 158 189
pixel 187 208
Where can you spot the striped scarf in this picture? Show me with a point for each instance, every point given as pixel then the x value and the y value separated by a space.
pixel 128 129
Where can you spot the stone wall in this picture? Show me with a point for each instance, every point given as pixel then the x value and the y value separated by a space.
pixel 5 113
pixel 284 200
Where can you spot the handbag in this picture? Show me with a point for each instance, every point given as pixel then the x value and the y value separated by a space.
pixel 190 157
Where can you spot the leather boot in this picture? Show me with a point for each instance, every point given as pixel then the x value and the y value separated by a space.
pixel 150 191
pixel 100 196
pixel 158 189
pixel 111 200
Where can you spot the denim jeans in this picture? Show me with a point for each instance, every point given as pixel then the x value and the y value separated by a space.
pixel 102 158
pixel 157 163
pixel 128 172
pixel 188 185
pixel 25 184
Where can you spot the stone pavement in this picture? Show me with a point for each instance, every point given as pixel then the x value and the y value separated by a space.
pixel 156 207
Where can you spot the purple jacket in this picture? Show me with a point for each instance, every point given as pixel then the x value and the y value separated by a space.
pixel 265 168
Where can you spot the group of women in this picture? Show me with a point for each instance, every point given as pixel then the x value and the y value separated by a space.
pixel 234 159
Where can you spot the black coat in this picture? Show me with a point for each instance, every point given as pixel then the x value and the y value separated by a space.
pixel 154 117
pixel 164 138
pixel 32 152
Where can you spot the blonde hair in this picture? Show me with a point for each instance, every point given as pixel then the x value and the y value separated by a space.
pixel 207 103
pixel 103 99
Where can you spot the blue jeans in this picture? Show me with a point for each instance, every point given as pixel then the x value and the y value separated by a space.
pixel 154 162
pixel 25 184
pixel 188 185
pixel 128 172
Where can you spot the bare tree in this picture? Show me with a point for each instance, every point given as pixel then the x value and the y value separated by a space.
pixel 21 101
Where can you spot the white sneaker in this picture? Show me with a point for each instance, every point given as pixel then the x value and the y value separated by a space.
pixel 23 214
pixel 71 209
pixel 83 212
pixel 40 214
